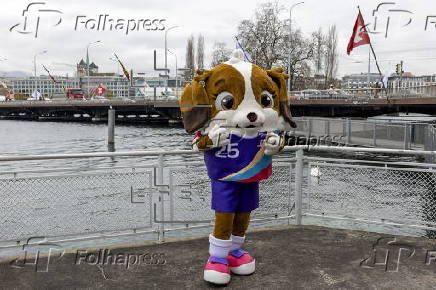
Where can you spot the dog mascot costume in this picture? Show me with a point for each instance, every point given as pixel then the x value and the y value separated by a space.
pixel 237 111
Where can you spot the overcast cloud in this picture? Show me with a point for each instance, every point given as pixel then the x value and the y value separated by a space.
pixel 217 21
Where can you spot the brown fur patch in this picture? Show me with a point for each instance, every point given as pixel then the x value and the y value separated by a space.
pixel 277 75
pixel 225 77
pixel 203 91
pixel 204 143
pixel 227 224
pixel 260 81
pixel 240 223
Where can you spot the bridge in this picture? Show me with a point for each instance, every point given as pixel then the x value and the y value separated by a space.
pixel 143 110
pixel 128 110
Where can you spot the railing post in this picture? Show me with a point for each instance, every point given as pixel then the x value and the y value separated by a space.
pixel 374 134
pixel 406 137
pixel 327 127
pixel 309 131
pixel 348 131
pixel 111 127
pixel 161 198
pixel 299 186
pixel 429 142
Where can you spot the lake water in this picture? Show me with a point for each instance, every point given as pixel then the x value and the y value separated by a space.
pixel 28 138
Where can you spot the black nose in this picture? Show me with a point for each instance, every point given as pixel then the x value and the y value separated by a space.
pixel 252 117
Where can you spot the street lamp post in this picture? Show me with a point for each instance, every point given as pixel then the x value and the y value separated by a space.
pixel 87 64
pixel 177 77
pixel 166 65
pixel 290 43
pixel 34 67
pixel 117 64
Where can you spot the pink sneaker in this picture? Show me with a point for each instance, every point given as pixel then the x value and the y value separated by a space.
pixel 241 263
pixel 217 270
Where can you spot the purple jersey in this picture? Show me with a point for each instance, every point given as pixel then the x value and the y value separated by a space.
pixel 242 160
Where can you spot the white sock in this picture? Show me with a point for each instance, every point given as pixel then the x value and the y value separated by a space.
pixel 219 248
pixel 237 242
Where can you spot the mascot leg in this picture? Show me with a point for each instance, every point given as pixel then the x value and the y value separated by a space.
pixel 217 269
pixel 240 262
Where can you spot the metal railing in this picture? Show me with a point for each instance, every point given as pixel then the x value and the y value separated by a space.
pixel 409 91
pixel 170 192
pixel 367 133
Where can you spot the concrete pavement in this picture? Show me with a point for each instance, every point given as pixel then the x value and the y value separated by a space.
pixel 291 257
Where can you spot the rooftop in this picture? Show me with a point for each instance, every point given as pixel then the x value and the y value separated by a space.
pixel 298 257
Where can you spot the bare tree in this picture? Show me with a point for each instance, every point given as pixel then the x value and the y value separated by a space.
pixel 190 58
pixel 263 35
pixel 301 51
pixel 266 38
pixel 200 52
pixel 331 55
pixel 220 53
pixel 318 50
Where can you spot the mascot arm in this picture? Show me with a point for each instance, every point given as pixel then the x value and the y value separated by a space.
pixel 201 142
pixel 217 137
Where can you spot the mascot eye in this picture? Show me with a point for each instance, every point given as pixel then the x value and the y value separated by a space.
pixel 266 99
pixel 224 101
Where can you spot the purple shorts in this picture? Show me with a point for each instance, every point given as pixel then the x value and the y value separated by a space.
pixel 233 197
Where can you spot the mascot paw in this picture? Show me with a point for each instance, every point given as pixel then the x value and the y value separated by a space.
pixel 273 144
pixel 219 136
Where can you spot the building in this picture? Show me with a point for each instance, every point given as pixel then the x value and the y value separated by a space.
pixel 116 86
pixel 414 84
pixel 81 69
pixel 317 82
pixel 44 85
pixel 160 82
pixel 360 81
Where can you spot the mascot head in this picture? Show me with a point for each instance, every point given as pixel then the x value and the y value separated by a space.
pixel 237 95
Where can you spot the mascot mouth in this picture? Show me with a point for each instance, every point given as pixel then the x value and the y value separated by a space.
pixel 250 126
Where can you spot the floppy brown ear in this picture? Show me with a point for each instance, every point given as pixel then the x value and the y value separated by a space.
pixel 194 103
pixel 277 75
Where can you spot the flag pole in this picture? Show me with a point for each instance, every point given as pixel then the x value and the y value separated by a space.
pixel 373 53
pixel 369 66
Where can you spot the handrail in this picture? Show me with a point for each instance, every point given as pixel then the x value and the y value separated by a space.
pixel 324 148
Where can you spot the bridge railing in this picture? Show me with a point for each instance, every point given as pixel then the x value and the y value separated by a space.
pixel 421 91
pixel 151 195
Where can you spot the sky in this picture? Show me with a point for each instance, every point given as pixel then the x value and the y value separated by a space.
pixel 64 32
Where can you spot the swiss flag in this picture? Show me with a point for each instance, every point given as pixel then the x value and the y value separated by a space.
pixel 100 90
pixel 360 35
